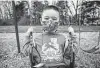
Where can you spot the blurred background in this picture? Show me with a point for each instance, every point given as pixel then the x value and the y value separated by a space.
pixel 73 12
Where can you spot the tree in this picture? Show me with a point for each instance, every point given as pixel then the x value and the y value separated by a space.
pixel 19 9
pixel 36 10
pixel 90 11
pixel 6 9
pixel 16 25
pixel 63 12
pixel 6 12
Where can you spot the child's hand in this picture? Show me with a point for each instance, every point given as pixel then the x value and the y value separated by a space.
pixel 71 30
pixel 28 40
pixel 72 35
pixel 29 31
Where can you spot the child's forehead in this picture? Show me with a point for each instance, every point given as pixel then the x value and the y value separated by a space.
pixel 50 12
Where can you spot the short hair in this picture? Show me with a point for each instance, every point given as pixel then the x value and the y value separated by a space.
pixel 51 7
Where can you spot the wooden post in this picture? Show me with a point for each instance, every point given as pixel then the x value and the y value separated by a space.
pixel 16 25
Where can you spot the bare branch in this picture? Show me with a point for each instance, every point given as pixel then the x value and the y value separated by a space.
pixel 70 10
pixel 73 4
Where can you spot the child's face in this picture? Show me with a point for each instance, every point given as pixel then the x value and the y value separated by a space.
pixel 50 20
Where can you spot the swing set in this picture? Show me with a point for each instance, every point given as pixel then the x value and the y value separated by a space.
pixel 18 44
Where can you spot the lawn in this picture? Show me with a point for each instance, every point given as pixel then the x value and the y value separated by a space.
pixel 22 29
pixel 10 59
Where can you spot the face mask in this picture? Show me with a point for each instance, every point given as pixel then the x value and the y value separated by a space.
pixel 50 25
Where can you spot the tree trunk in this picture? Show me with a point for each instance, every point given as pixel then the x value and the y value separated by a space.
pixel 16 26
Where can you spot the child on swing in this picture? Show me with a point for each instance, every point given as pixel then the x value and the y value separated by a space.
pixel 50 49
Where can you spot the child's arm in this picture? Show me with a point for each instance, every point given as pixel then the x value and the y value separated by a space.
pixel 29 49
pixel 72 39
pixel 28 41
pixel 70 46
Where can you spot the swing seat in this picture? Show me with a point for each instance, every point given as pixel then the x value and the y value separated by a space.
pixel 35 58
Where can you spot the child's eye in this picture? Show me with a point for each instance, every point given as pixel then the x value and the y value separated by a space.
pixel 46 18
pixel 54 18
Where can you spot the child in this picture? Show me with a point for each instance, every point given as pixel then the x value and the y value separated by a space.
pixel 49 49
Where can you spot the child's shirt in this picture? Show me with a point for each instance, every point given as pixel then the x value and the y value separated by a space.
pixel 50 48
pixel 53 49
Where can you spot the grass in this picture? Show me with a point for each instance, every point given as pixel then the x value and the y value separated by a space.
pixel 22 29
pixel 9 58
